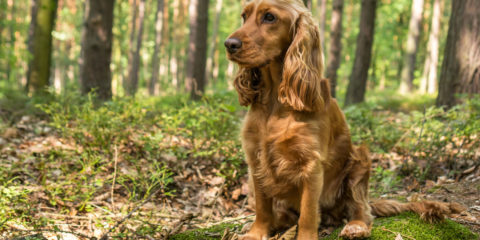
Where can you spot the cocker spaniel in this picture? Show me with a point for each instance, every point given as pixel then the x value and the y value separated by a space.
pixel 303 167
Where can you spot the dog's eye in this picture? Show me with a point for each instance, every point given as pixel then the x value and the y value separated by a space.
pixel 268 18
pixel 244 17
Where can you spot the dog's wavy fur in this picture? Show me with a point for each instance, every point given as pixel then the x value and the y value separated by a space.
pixel 303 167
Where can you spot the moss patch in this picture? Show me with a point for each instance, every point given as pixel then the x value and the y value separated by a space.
pixel 407 224
pixel 211 233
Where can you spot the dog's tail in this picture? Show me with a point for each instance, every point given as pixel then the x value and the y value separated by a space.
pixel 430 211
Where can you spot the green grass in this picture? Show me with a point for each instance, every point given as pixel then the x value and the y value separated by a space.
pixel 406 224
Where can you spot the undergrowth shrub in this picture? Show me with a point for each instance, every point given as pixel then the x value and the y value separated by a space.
pixel 425 139
pixel 153 127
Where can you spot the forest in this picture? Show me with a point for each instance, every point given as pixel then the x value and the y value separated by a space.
pixel 120 120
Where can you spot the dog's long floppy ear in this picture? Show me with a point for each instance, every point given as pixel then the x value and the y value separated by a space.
pixel 301 86
pixel 247 83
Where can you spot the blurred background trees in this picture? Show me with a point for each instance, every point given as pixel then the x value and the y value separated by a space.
pixel 161 47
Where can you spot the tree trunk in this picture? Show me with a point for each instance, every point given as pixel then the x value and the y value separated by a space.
pixel 429 77
pixel 363 54
pixel 197 48
pixel 414 30
pixel 213 46
pixel 135 65
pixel 158 43
pixel 12 28
pixel 127 84
pixel 3 19
pixel 41 46
pixel 322 12
pixel 174 50
pixel 334 54
pixel 461 61
pixel 97 49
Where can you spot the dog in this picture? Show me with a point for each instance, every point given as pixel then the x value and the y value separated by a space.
pixel 303 168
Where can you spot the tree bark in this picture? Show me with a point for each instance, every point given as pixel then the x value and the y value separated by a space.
pixel 213 46
pixel 132 86
pixel 363 54
pixel 414 30
pixel 461 62
pixel 322 12
pixel 131 53
pixel 334 54
pixel 41 46
pixel 158 43
pixel 197 48
pixel 3 15
pixel 97 49
pixel 429 77
pixel 12 28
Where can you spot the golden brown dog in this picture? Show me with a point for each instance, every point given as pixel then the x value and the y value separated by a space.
pixel 302 164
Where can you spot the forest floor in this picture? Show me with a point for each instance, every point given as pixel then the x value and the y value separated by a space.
pixel 50 191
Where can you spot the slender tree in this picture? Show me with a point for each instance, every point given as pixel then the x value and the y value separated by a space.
pixel 132 85
pixel 461 62
pixel 429 78
pixel 131 43
pixel 197 48
pixel 180 34
pixel 40 45
pixel 322 12
pixel 358 79
pixel 158 43
pixel 95 72
pixel 13 27
pixel 175 50
pixel 214 43
pixel 334 54
pixel 4 8
pixel 414 30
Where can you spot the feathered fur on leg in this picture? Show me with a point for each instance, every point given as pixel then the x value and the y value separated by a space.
pixel 430 211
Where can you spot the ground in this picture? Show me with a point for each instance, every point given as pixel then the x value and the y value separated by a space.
pixel 127 171
pixel 404 226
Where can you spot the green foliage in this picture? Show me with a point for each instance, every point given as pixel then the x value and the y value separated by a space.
pixel 369 127
pixel 449 136
pixel 383 181
pixel 170 125
pixel 424 138
pixel 95 126
pixel 12 200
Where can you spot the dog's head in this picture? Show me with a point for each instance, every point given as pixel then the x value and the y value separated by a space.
pixel 279 30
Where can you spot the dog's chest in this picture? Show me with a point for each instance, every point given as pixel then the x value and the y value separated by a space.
pixel 281 150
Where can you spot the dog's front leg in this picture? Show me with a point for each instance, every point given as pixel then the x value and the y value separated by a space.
pixel 309 207
pixel 264 214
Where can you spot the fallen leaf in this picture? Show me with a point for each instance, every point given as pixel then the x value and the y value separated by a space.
pixel 228 235
pixel 398 237
pixel 288 235
pixel 236 193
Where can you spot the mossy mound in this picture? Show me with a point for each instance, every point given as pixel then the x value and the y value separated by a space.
pixel 408 225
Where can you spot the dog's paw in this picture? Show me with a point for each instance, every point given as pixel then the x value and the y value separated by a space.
pixel 249 236
pixel 355 229
pixel 256 232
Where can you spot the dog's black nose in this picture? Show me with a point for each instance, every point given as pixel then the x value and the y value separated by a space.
pixel 233 45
